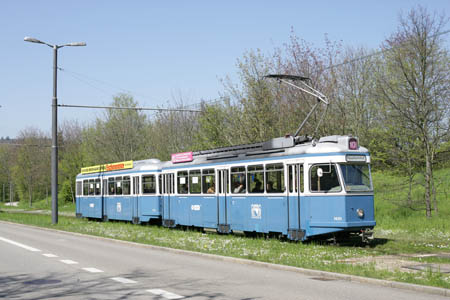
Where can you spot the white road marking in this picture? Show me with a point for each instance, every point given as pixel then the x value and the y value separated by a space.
pixel 165 294
pixel 50 255
pixel 93 270
pixel 123 280
pixel 20 245
pixel 68 261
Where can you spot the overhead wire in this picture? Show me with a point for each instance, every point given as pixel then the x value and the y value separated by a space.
pixel 88 79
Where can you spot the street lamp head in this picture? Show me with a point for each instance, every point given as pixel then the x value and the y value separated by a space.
pixel 32 40
pixel 76 44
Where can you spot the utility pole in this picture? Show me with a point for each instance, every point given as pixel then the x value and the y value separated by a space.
pixel 10 193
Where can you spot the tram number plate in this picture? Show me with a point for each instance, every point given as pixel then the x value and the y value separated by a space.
pixel 195 207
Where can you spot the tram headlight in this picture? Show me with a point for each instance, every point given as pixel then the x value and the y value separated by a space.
pixel 360 212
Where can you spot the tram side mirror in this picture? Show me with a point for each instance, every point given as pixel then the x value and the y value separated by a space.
pixel 319 172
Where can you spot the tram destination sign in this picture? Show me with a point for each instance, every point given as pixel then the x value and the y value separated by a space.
pixel 182 157
pixel 108 167
pixel 355 158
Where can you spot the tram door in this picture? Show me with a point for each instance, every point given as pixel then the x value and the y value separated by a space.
pixel 104 195
pixel 223 225
pixel 135 197
pixel 295 189
pixel 168 189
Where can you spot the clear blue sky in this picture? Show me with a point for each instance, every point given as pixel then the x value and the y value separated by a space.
pixel 159 50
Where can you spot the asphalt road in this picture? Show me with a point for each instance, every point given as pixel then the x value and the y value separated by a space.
pixel 43 264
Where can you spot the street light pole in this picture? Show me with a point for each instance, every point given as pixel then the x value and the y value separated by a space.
pixel 54 123
pixel 55 139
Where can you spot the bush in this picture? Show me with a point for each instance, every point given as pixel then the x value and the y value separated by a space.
pixel 65 192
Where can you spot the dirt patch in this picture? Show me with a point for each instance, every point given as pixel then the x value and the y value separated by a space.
pixel 401 263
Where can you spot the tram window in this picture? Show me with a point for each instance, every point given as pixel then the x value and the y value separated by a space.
pixel 136 185
pixel 172 184
pixel 118 185
pixel 329 182
pixel 301 179
pixel 255 175
pixel 195 182
pixel 79 188
pixel 97 187
pixel 183 185
pixel 238 185
pixel 85 187
pixel 356 177
pixel 275 178
pixel 91 187
pixel 226 183
pixel 168 184
pixel 220 184
pixel 160 183
pixel 208 181
pixel 148 184
pixel 111 186
pixel 294 169
pixel 105 187
pixel 126 185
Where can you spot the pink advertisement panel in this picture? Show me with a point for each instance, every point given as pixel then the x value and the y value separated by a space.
pixel 182 157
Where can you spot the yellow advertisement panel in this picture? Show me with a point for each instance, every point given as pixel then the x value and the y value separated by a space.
pixel 108 167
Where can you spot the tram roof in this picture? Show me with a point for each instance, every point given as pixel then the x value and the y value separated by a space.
pixel 277 147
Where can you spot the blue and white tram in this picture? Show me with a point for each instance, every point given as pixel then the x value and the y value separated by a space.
pixel 296 187
pixel 119 191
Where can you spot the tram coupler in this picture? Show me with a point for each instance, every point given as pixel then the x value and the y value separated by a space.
pixel 105 218
pixel 296 234
pixel 366 235
pixel 136 220
pixel 168 223
pixel 78 215
pixel 223 228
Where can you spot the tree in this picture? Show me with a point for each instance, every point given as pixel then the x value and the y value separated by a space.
pixel 254 114
pixel 122 135
pixel 7 161
pixel 72 157
pixel 173 132
pixel 355 110
pixel 413 83
pixel 32 168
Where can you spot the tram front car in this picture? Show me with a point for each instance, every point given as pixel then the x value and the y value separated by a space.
pixel 341 199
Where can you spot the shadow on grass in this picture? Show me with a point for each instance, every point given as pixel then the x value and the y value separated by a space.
pixel 350 242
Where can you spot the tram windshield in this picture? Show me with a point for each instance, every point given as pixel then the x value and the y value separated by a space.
pixel 356 177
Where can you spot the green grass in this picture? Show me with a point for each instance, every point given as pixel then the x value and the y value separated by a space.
pixel 44 204
pixel 399 231
pixel 411 226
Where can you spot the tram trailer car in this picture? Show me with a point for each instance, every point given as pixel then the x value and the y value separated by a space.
pixel 120 191
pixel 296 187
